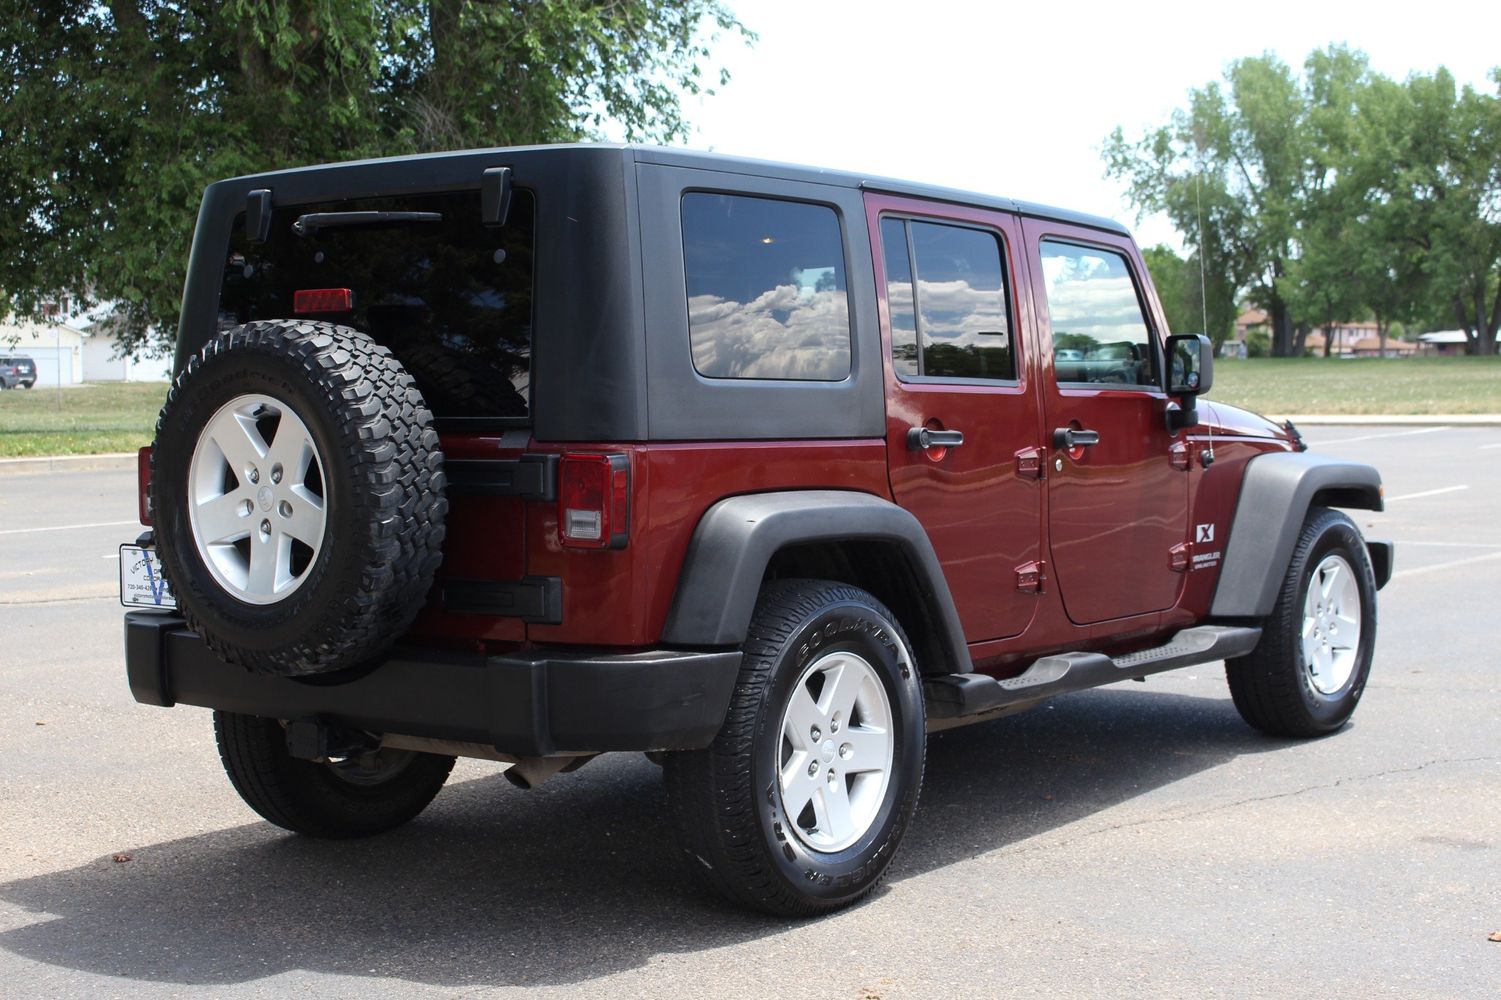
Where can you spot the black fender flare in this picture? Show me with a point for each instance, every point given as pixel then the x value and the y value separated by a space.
pixel 1275 494
pixel 737 537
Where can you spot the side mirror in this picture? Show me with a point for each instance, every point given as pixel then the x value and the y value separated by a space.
pixel 1190 364
pixel 1190 373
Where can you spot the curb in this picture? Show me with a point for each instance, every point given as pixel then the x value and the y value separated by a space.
pixel 68 463
pixel 1392 420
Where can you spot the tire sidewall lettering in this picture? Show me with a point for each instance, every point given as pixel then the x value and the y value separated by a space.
pixel 857 629
pixel 1339 538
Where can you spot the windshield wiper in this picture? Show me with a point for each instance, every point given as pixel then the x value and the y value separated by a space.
pixel 314 221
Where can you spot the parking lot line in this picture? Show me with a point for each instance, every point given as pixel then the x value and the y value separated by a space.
pixel 1378 437
pixel 1437 567
pixel 1404 543
pixel 67 527
pixel 1427 493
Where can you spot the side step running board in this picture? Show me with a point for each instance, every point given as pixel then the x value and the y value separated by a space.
pixel 956 696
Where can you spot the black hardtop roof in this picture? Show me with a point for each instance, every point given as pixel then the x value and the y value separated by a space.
pixel 719 162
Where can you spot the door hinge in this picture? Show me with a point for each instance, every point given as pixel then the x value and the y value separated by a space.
pixel 1030 577
pixel 1029 463
pixel 1177 456
pixel 1178 557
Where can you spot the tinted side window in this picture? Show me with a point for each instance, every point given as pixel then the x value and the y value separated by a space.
pixel 1099 331
pixel 767 295
pixel 957 309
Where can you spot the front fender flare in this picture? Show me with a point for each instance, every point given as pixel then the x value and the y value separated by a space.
pixel 737 537
pixel 1275 495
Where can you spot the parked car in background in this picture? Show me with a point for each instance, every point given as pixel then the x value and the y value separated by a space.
pixel 17 371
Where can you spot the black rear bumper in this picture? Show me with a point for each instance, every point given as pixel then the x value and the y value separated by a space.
pixel 531 703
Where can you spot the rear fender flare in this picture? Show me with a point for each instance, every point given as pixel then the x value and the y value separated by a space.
pixel 737 537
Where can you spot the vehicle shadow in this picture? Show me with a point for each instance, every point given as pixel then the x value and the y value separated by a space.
pixel 575 880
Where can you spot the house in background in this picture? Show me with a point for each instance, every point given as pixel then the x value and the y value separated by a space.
pixel 56 348
pixel 1444 342
pixel 72 347
pixel 102 359
pixel 1357 339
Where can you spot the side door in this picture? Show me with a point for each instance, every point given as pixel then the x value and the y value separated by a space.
pixel 1118 497
pixel 955 366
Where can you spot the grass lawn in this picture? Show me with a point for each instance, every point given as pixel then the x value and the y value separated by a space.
pixel 1389 386
pixel 80 420
pixel 115 416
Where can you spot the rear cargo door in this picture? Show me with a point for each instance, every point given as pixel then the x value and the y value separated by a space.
pixel 962 425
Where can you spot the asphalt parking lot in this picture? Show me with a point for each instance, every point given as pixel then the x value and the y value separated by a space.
pixel 1134 840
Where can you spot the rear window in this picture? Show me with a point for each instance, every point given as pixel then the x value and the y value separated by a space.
pixel 451 298
pixel 767 297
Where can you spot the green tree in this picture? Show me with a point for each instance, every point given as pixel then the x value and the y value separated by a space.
pixel 1182 287
pixel 1431 166
pixel 1230 172
pixel 116 115
pixel 1335 194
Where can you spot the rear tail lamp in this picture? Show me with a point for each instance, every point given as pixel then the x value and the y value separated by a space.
pixel 143 485
pixel 594 501
pixel 322 300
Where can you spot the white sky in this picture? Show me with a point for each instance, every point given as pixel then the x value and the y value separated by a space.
pixel 1016 99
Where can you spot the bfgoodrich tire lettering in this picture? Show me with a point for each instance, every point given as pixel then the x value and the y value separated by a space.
pixel 381 490
pixel 1308 672
pixel 737 830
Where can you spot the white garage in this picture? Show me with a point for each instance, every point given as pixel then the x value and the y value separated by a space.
pixel 50 362
pixel 56 349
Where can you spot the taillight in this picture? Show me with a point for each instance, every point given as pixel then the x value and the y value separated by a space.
pixel 322 300
pixel 143 484
pixel 594 501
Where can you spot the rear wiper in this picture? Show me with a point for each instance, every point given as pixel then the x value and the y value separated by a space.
pixel 314 221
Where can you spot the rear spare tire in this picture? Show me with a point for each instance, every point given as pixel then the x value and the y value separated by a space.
pixel 297 496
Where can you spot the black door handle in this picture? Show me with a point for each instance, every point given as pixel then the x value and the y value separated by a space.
pixel 923 438
pixel 1066 438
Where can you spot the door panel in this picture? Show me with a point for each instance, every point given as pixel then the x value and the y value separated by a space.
pixel 1117 507
pixel 946 283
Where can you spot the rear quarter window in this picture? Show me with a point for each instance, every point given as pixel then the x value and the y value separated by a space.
pixel 767 288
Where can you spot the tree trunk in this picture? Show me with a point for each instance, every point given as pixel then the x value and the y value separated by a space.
pixel 1300 340
pixel 1328 338
pixel 1489 330
pixel 1282 330
pixel 1381 330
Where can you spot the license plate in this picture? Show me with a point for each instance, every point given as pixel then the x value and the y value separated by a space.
pixel 141 583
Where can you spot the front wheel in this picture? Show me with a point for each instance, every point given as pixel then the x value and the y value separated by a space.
pixel 338 799
pixel 1308 672
pixel 799 805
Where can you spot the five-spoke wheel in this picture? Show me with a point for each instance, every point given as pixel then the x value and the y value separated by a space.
pixel 800 803
pixel 835 760
pixel 256 498
pixel 1308 672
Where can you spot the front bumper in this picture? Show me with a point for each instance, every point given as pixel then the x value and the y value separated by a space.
pixel 532 703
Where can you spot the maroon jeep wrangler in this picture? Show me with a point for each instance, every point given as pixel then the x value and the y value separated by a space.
pixel 536 454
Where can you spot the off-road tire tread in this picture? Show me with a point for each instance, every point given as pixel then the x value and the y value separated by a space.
pixel 392 453
pixel 1266 684
pixel 721 837
pixel 302 796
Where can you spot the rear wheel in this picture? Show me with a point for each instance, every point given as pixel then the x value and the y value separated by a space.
pixel 801 802
pixel 1308 672
pixel 355 796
